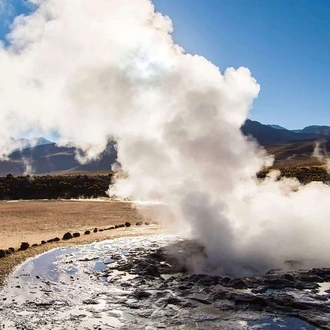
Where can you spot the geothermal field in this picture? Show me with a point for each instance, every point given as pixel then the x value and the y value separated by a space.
pixel 151 200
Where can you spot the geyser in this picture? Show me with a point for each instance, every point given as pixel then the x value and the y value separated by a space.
pixel 87 69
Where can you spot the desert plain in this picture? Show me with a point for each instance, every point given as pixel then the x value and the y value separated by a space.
pixel 36 220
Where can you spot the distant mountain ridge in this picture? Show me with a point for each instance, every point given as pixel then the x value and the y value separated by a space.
pixel 30 143
pixel 41 156
pixel 277 127
pixel 50 158
pixel 268 135
pixel 314 129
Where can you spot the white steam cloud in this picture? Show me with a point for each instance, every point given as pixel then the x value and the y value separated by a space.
pixel 90 69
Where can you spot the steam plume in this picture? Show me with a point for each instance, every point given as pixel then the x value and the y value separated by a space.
pixel 87 69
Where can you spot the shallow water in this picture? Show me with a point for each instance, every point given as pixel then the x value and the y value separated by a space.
pixel 85 288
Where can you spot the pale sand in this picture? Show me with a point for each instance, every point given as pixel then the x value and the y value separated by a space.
pixel 33 221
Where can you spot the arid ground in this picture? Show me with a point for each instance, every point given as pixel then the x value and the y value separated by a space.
pixel 34 221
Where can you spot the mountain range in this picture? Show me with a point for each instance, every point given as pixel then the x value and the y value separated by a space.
pixel 41 156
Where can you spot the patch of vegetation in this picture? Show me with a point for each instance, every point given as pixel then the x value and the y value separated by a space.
pixel 53 187
pixel 304 174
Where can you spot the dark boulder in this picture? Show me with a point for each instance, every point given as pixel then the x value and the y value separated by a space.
pixel 237 283
pixel 127 224
pixel 56 239
pixel 279 283
pixel 35 244
pixel 139 223
pixel 11 249
pixel 151 270
pixel 225 280
pixel 67 236
pixel 43 242
pixel 95 230
pixel 76 234
pixel 147 223
pixel 24 246
pixel 87 232
pixel 141 294
pixel 100 230
pixel 288 277
pixel 2 253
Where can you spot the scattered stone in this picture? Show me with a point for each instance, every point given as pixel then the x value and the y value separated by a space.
pixel 57 239
pixel 90 302
pixel 237 283
pixel 11 249
pixel 2 253
pixel 43 242
pixel 151 270
pixel 140 294
pixel 127 224
pixel 95 230
pixel 8 252
pixel 24 246
pixel 87 232
pixel 35 244
pixel 100 229
pixel 288 277
pixel 279 283
pixel 139 223
pixel 147 223
pixel 76 234
pixel 67 236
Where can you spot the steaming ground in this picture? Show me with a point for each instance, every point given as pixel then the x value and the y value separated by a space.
pixel 90 70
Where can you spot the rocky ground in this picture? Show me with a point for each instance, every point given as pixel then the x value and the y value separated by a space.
pixel 144 283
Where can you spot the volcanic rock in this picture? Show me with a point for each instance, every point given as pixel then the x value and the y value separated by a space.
pixel 279 283
pixel 237 283
pixel 2 253
pixel 67 236
pixel 95 230
pixel 140 294
pixel 24 246
pixel 76 234
pixel 43 242
pixel 288 277
pixel 151 270
pixel 139 223
pixel 87 232
pixel 127 224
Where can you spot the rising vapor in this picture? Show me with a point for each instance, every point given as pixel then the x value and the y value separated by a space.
pixel 90 69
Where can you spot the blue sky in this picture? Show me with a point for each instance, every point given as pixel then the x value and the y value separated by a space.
pixel 285 44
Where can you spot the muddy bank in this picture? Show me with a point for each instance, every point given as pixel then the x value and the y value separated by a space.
pixel 144 283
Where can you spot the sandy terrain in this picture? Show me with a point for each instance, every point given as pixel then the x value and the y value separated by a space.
pixel 33 221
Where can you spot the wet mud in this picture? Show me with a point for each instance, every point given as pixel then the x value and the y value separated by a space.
pixel 145 283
